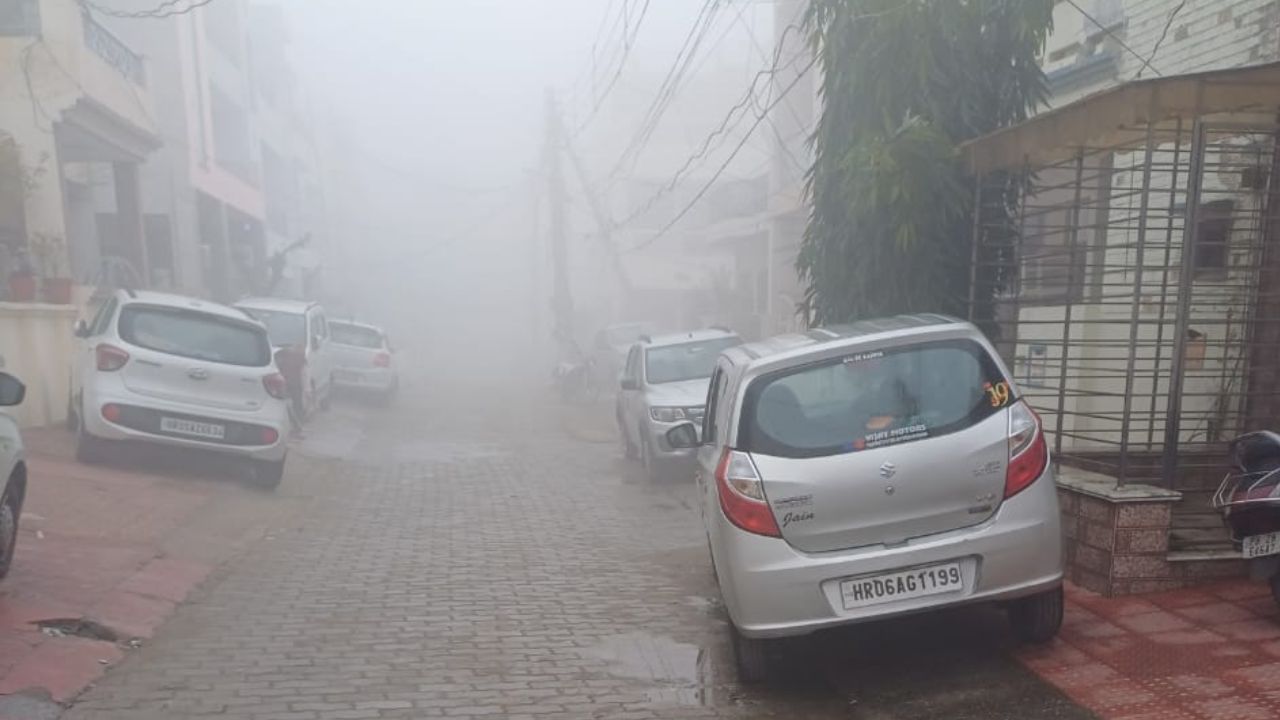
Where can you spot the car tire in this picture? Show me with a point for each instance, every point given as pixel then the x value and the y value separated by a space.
pixel 267 474
pixel 1275 587
pixel 628 448
pixel 327 400
pixel 1037 618
pixel 89 449
pixel 752 657
pixel 10 512
pixel 652 473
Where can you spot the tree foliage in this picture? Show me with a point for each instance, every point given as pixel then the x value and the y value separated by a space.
pixel 904 83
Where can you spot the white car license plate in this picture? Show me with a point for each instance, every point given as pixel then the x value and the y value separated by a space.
pixel 347 376
pixel 1261 545
pixel 902 585
pixel 193 428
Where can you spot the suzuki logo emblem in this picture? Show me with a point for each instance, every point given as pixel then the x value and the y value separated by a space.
pixel 198 374
pixel 888 470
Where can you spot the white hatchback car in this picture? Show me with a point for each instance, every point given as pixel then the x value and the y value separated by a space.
pixel 363 359
pixel 13 466
pixel 178 371
pixel 299 324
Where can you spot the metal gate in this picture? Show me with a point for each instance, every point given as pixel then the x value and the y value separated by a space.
pixel 1134 288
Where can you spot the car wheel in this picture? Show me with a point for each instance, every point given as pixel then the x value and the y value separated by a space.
pixel 73 417
pixel 9 513
pixel 1037 618
pixel 89 449
pixel 327 400
pixel 267 474
pixel 752 657
pixel 651 470
pixel 628 447
pixel 1275 587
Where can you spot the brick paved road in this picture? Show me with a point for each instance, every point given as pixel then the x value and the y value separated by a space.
pixel 468 559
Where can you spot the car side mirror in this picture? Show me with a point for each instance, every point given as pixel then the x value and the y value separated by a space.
pixel 12 391
pixel 629 384
pixel 82 329
pixel 683 436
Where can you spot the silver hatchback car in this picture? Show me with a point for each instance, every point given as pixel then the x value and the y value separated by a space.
pixel 876 469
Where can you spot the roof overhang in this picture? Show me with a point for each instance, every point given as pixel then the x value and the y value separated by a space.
pixel 1109 117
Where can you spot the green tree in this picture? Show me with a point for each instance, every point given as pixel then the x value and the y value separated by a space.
pixel 904 82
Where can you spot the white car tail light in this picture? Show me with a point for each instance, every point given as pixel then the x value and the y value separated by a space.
pixel 276 386
pixel 1028 451
pixel 382 359
pixel 742 494
pixel 110 358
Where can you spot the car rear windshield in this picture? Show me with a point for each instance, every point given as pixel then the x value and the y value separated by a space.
pixel 364 337
pixel 194 334
pixel 686 361
pixel 871 399
pixel 285 328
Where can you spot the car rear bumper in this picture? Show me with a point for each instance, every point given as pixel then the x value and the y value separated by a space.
pixel 772 590
pixel 372 379
pixel 141 423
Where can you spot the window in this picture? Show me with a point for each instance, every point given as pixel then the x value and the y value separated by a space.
pixel 1213 232
pixel 1052 259
pixel 632 370
pixel 870 399
pixel 686 361
pixel 102 320
pixel 197 335
pixel 285 328
pixel 714 391
pixel 356 335
pixel 19 17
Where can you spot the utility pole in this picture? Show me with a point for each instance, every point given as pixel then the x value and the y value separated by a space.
pixel 603 221
pixel 561 301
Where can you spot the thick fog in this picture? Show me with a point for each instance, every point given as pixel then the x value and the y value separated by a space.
pixel 433 119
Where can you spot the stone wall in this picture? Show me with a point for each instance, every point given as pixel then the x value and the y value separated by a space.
pixel 1116 540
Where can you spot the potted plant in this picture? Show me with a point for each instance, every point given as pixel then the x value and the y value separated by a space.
pixel 50 249
pixel 22 280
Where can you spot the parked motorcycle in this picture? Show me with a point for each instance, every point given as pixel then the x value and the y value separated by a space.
pixel 1249 500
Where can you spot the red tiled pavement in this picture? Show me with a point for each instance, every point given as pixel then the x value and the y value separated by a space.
pixel 99 543
pixel 1211 652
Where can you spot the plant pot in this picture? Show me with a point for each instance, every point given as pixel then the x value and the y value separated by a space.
pixel 22 287
pixel 58 290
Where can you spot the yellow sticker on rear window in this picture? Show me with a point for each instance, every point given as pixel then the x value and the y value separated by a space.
pixel 998 393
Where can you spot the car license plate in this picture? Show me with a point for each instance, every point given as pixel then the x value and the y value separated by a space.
pixel 1261 545
pixel 902 585
pixel 347 376
pixel 193 428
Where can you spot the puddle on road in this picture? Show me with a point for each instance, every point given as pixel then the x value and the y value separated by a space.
pixel 681 674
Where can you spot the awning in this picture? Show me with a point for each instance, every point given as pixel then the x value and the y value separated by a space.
pixel 1109 117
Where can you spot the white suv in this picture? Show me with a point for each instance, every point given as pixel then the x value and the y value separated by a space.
pixel 179 371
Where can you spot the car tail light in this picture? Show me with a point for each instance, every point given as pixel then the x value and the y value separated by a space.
pixel 276 386
pixel 269 436
pixel 382 360
pixel 110 358
pixel 111 412
pixel 1028 451
pixel 742 494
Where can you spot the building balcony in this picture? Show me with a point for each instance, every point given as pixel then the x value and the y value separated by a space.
pixel 114 51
